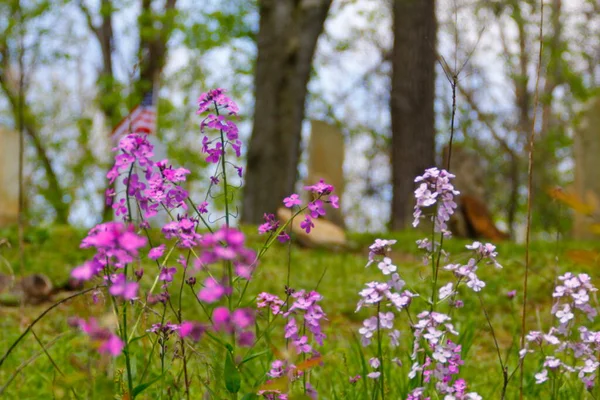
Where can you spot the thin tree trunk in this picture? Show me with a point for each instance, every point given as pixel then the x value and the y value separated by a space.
pixel 55 193
pixel 286 41
pixel 412 97
pixel 152 56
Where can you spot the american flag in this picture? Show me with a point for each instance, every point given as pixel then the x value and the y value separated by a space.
pixel 142 119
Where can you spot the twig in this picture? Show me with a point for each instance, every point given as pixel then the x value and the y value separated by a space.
pixel 42 315
pixel 21 144
pixel 24 364
pixel 529 197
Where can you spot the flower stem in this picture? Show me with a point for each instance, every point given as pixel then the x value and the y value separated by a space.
pixel 380 352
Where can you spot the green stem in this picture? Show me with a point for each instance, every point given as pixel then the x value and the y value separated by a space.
pixel 380 352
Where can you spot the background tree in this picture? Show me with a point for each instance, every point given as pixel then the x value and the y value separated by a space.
pixel 411 101
pixel 286 42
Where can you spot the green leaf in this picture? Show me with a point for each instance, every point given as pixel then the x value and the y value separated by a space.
pixel 253 356
pixel 233 379
pixel 140 388
pixel 250 396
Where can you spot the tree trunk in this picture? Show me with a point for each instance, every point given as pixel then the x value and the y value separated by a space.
pixel 286 41
pixel 152 48
pixel 411 102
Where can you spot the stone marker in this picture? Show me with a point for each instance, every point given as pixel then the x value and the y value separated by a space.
pixel 326 161
pixel 587 168
pixel 324 234
pixel 9 177
pixel 473 219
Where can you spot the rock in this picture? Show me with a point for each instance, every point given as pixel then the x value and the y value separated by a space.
pixel 324 234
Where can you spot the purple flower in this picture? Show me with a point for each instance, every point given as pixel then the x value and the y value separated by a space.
pixel 157 252
pixel 386 266
pixel 107 342
pixel 86 271
pixel 271 224
pixel 277 369
pixel 292 200
pixel 222 319
pixel 120 287
pixel 435 188
pixel 316 208
pixel 242 318
pixel 191 329
pixel 307 224
pixel 334 201
pixel 166 274
pixel 212 291
pixel 320 188
pixel 265 299
pixel 216 96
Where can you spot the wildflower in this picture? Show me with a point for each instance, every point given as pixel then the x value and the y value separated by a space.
pixel 212 291
pixel 307 224
pixel 120 287
pixel 321 188
pixel 107 342
pixel 368 330
pixel 265 299
pixel 386 266
pixel 193 330
pixel 166 274
pixel 435 188
pixel 292 200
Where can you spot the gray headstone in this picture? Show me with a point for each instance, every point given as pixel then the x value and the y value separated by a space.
pixel 326 161
pixel 587 168
pixel 9 177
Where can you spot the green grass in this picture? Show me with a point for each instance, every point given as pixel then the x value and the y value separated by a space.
pixel 55 251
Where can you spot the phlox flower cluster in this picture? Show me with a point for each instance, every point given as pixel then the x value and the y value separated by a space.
pixel 116 245
pixel 238 322
pixel 442 357
pixel 468 272
pixel 382 295
pixel 227 244
pixel 321 194
pixel 158 187
pixel 435 188
pixel 216 147
pixel 569 346
pixel 106 341
pixel 304 317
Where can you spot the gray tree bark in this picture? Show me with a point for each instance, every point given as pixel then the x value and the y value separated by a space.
pixel 412 97
pixel 286 41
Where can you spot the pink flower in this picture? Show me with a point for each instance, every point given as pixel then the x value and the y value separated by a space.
pixel 192 329
pixel 222 319
pixel 106 340
pixel 320 188
pixel 307 224
pixel 120 287
pixel 242 318
pixel 156 252
pixel 166 274
pixel 86 271
pixel 212 291
pixel 316 208
pixel 293 200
